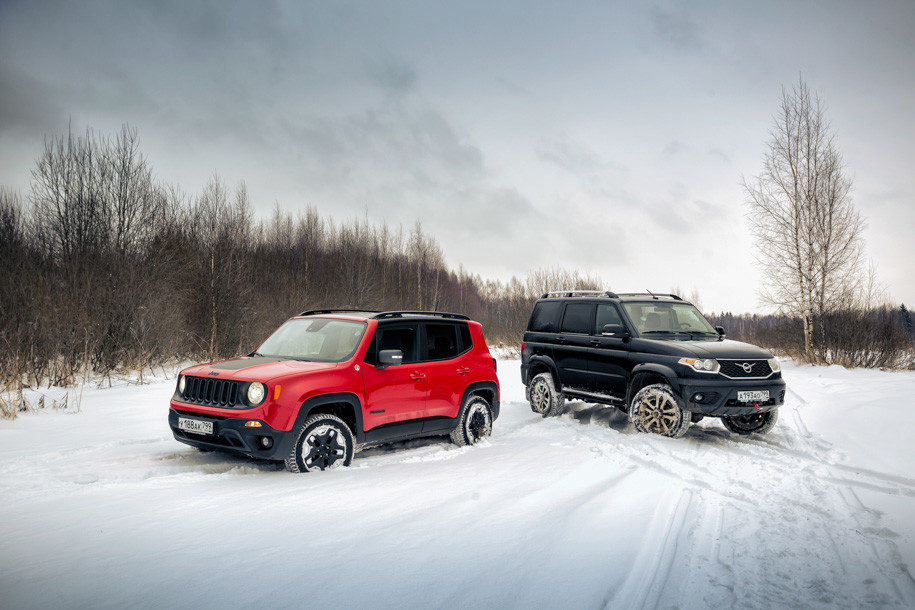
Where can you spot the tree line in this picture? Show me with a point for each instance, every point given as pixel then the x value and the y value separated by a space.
pixel 105 268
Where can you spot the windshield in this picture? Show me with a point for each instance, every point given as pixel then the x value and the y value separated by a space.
pixel 315 339
pixel 668 318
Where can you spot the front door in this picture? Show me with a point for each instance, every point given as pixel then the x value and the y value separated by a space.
pixel 394 393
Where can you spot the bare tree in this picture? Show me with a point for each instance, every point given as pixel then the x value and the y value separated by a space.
pixel 808 233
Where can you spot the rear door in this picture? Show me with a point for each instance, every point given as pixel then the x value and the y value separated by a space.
pixel 573 343
pixel 447 373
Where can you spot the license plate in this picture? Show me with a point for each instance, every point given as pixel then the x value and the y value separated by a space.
pixel 753 396
pixel 197 426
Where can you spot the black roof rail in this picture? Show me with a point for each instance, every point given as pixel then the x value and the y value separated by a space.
pixel 570 293
pixel 399 314
pixel 315 312
pixel 654 295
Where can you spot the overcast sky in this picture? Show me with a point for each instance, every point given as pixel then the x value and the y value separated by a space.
pixel 610 137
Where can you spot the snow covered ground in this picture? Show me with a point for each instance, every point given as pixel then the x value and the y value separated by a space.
pixel 102 508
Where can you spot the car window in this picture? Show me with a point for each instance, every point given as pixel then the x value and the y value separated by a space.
pixel 404 337
pixel 665 317
pixel 466 341
pixel 545 317
pixel 317 339
pixel 606 314
pixel 441 341
pixel 578 318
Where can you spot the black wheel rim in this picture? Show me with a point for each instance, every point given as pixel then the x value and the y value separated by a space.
pixel 326 448
pixel 478 424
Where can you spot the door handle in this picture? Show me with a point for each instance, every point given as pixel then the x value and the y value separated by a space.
pixel 595 341
pixel 463 370
pixel 560 339
pixel 417 375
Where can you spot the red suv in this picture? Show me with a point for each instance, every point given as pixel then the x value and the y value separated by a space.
pixel 328 381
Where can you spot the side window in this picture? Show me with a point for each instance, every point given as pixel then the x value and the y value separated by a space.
pixel 404 337
pixel 441 341
pixel 466 341
pixel 578 318
pixel 606 314
pixel 545 317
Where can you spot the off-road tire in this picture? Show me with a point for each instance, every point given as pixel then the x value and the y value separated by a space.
pixel 544 397
pixel 474 423
pixel 755 423
pixel 655 409
pixel 323 442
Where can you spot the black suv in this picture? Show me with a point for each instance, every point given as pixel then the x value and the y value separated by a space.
pixel 653 356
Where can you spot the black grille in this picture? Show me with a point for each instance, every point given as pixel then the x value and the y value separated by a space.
pixel 211 392
pixel 737 369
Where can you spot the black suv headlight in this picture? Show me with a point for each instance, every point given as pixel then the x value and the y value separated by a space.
pixel 707 365
pixel 257 392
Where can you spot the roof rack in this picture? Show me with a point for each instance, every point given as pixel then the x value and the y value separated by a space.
pixel 569 293
pixel 315 312
pixel 400 314
pixel 656 296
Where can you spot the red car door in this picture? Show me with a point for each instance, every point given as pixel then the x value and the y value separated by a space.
pixel 394 393
pixel 447 371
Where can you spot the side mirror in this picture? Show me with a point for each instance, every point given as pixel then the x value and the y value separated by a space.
pixel 721 331
pixel 612 330
pixel 388 357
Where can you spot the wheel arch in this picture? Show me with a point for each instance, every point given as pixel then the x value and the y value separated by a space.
pixel 344 405
pixel 487 390
pixel 648 374
pixel 542 364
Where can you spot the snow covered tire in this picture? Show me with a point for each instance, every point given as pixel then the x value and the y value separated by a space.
pixel 755 423
pixel 544 397
pixel 324 442
pixel 474 423
pixel 655 409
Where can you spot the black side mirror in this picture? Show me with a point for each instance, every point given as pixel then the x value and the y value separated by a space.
pixel 613 330
pixel 388 357
pixel 721 331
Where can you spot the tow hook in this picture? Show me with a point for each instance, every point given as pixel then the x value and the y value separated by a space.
pixel 756 406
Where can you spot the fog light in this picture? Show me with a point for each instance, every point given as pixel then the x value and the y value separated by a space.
pixel 252 424
pixel 698 397
pixel 266 442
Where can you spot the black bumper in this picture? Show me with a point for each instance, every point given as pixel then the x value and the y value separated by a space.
pixel 230 434
pixel 720 398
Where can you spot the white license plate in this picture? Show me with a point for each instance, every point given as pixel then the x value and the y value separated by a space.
pixel 196 426
pixel 753 396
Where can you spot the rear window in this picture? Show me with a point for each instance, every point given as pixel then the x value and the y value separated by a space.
pixel 578 318
pixel 545 317
pixel 441 341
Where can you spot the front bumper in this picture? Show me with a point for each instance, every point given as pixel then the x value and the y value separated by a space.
pixel 230 434
pixel 719 397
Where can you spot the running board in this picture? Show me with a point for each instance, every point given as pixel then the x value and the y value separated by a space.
pixel 593 396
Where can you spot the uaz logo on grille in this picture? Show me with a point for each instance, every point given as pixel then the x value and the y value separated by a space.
pixel 746 366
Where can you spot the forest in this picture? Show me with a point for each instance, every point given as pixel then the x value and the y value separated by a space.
pixel 105 269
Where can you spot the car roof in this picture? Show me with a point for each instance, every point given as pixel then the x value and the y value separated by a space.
pixel 381 315
pixel 598 295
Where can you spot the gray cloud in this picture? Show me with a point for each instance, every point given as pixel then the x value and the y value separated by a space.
pixel 677 27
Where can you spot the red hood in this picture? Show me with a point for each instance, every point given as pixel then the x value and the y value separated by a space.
pixel 256 368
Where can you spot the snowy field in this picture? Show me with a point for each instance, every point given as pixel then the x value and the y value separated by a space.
pixel 103 509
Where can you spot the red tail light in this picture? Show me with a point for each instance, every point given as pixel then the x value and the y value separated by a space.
pixel 495 365
pixel 523 347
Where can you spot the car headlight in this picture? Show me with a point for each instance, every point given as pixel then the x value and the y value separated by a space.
pixel 774 365
pixel 256 394
pixel 182 382
pixel 707 365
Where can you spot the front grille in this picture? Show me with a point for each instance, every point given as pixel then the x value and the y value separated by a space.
pixel 735 369
pixel 211 392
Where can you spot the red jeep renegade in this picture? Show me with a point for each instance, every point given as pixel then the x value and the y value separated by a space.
pixel 328 381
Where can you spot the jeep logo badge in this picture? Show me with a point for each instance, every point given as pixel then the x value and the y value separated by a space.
pixel 213 373
pixel 747 367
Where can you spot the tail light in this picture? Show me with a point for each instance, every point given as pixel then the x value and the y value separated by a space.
pixel 523 347
pixel 495 365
